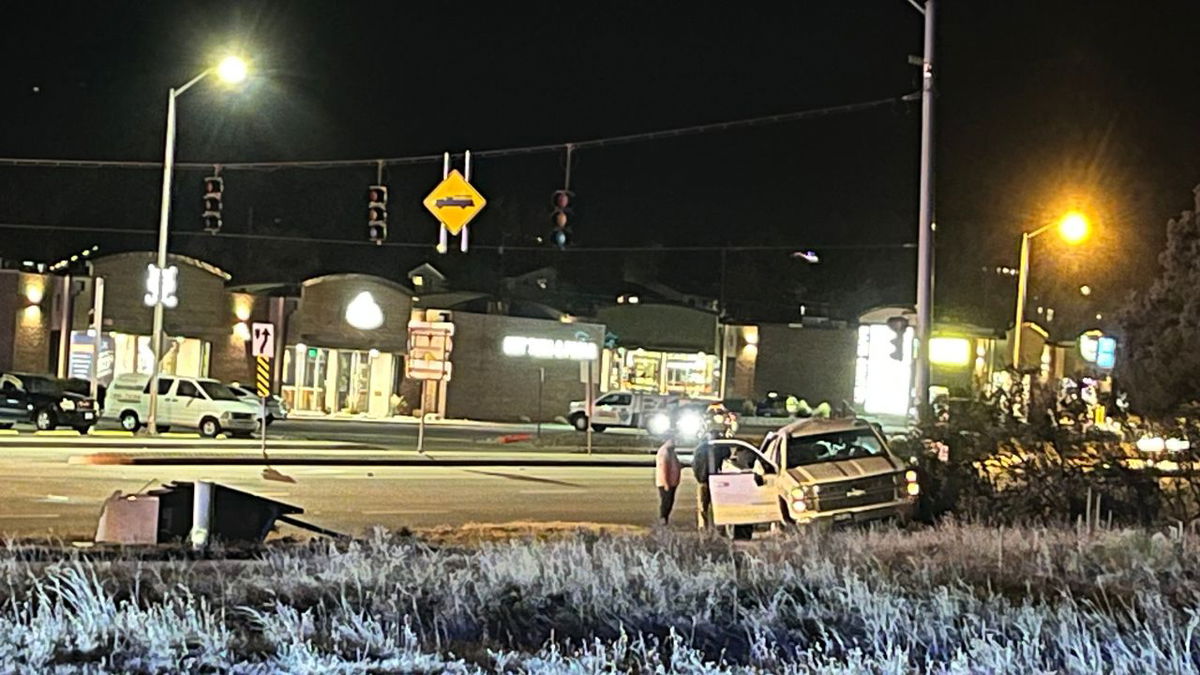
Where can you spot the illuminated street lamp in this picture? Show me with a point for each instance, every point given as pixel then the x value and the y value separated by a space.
pixel 230 70
pixel 1073 228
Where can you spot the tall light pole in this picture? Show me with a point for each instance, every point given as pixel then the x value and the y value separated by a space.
pixel 925 219
pixel 233 70
pixel 1074 229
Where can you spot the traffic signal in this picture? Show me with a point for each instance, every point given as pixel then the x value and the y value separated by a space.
pixel 562 209
pixel 377 214
pixel 899 326
pixel 214 187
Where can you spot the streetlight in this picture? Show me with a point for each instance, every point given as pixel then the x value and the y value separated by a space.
pixel 231 70
pixel 1073 228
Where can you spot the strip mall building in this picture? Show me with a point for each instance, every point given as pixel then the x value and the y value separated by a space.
pixel 342 341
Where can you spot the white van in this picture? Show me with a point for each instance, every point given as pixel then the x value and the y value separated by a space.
pixel 190 402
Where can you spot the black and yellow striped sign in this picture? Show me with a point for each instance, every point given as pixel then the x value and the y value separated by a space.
pixel 263 376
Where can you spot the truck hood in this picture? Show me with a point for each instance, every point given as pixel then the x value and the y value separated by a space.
pixel 846 469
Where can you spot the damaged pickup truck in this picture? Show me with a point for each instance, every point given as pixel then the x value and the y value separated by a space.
pixel 814 470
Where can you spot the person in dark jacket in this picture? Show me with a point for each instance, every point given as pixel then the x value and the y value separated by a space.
pixel 706 460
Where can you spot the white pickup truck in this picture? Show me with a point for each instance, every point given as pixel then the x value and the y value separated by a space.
pixel 617 409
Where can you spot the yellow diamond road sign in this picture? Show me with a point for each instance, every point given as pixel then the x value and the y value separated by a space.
pixel 455 202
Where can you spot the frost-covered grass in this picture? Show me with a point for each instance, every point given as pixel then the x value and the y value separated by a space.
pixel 959 598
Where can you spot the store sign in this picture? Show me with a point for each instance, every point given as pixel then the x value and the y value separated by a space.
pixel 80 362
pixel 363 312
pixel 546 348
pixel 165 281
pixel 950 351
pixel 1096 348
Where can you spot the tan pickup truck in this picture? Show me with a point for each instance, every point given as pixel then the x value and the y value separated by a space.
pixel 836 471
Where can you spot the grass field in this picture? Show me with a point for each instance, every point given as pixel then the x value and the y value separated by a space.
pixel 959 598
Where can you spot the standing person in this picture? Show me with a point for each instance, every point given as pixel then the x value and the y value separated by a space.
pixel 666 478
pixel 701 461
pixel 707 459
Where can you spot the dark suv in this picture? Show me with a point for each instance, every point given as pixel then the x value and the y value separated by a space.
pixel 44 400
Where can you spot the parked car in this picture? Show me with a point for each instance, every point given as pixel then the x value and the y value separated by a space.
pixel 45 401
pixel 276 408
pixel 190 402
pixel 617 409
pixel 836 470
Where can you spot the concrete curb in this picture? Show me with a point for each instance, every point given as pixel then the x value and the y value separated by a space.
pixel 125 459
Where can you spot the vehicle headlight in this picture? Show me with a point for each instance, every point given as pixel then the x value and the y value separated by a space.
pixel 914 489
pixel 658 424
pixel 66 404
pixel 910 476
pixel 689 424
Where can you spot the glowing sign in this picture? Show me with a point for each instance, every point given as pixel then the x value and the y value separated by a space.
pixel 950 351
pixel 545 348
pixel 1106 352
pixel 1095 348
pixel 364 313
pixel 166 282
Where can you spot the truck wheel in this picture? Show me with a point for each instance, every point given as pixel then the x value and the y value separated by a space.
pixel 130 421
pixel 739 532
pixel 209 427
pixel 83 430
pixel 580 422
pixel 44 420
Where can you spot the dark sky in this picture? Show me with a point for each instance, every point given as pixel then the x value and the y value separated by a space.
pixel 1043 106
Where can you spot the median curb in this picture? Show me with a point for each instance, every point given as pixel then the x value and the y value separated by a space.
pixel 128 459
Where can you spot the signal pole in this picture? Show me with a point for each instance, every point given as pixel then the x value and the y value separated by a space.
pixel 925 218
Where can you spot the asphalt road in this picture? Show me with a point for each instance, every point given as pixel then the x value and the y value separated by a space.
pixel 45 495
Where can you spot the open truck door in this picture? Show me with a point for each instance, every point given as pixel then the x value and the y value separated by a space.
pixel 743 489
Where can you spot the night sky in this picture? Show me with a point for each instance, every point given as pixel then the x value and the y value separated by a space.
pixel 1043 106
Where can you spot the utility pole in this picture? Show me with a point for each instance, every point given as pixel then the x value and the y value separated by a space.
pixel 925 225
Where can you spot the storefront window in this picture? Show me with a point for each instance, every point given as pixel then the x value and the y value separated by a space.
pixel 181 356
pixel 326 381
pixel 695 375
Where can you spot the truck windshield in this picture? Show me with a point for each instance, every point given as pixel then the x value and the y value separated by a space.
pixel 813 449
pixel 218 392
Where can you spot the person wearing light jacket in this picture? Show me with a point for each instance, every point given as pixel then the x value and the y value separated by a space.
pixel 666 479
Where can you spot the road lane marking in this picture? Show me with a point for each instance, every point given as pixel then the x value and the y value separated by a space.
pixel 400 512
pixel 28 516
pixel 53 499
pixel 552 492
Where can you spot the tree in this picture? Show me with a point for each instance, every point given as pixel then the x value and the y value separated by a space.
pixel 1159 363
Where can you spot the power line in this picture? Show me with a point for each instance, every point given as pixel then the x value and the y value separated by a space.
pixel 500 152
pixel 430 246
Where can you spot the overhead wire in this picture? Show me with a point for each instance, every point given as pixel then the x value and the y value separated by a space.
pixel 499 152
pixel 490 247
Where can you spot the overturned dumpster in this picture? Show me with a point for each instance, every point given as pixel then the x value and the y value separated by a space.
pixel 197 513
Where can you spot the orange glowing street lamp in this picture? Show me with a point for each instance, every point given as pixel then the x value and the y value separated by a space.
pixel 1073 228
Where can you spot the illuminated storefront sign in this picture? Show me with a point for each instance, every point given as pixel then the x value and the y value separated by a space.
pixel 546 348
pixel 1096 348
pixel 364 313
pixel 950 351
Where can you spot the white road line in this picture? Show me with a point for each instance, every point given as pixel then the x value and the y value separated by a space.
pixel 551 491
pixel 27 516
pixel 401 512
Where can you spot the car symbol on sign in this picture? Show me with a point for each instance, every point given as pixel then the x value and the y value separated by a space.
pixel 463 202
